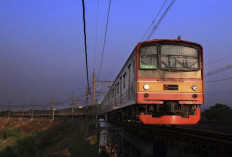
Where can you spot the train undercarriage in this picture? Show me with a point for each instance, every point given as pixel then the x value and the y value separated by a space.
pixel 168 113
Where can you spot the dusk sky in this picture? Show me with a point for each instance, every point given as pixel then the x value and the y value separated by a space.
pixel 42 47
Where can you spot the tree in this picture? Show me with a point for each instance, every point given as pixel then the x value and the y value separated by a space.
pixel 218 112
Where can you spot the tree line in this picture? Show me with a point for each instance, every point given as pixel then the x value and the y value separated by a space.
pixel 218 112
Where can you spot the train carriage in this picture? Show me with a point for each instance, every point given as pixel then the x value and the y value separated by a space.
pixel 160 83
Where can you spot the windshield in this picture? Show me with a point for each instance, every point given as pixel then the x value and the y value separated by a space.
pixel 148 57
pixel 176 57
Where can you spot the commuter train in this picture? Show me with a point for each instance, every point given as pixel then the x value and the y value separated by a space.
pixel 162 82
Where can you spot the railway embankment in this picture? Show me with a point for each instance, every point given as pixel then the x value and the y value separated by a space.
pixel 212 126
pixel 44 137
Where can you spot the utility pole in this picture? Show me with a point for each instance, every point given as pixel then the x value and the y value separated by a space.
pixel 32 108
pixel 87 98
pixel 72 104
pixel 77 104
pixel 8 110
pixel 24 109
pixel 2 110
pixel 53 108
pixel 94 96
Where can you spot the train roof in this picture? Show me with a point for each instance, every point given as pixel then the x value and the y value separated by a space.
pixel 168 40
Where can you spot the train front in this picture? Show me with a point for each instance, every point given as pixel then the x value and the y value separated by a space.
pixel 169 82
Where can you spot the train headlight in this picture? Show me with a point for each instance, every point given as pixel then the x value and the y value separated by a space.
pixel 146 86
pixel 194 87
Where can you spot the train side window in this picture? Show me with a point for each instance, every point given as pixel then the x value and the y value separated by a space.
pixel 129 80
pixel 124 81
pixel 115 90
pixel 118 88
pixel 134 69
pixel 129 72
pixel 112 95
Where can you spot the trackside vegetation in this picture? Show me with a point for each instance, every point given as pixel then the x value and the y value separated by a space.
pixel 220 112
pixel 60 139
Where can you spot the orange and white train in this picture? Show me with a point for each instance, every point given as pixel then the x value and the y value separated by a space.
pixel 162 82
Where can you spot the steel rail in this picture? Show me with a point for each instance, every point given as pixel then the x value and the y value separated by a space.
pixel 199 134
pixel 202 137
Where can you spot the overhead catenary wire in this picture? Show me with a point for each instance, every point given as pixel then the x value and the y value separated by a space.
pixel 47 106
pixel 85 43
pixel 217 60
pixel 221 69
pixel 222 92
pixel 160 20
pixel 218 80
pixel 95 53
pixel 103 50
pixel 161 8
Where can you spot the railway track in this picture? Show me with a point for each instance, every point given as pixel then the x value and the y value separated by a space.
pixel 201 134
pixel 196 139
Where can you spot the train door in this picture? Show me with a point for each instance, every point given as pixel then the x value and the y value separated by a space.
pixel 112 98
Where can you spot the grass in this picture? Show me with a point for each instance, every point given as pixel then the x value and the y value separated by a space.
pixel 11 132
pixel 66 139
pixel 8 136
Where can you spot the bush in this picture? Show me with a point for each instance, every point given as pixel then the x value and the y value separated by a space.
pixel 26 146
pixel 218 112
pixel 12 132
pixel 8 152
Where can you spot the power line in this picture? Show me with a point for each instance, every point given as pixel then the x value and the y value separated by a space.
pixel 96 38
pixel 221 69
pixel 86 56
pixel 154 19
pixel 219 80
pixel 217 60
pixel 222 92
pixel 104 39
pixel 161 19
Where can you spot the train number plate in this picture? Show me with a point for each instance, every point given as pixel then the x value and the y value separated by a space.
pixel 170 87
